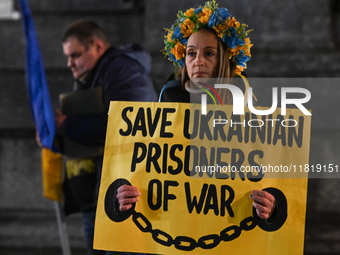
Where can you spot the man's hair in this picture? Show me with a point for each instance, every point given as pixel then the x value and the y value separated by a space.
pixel 85 31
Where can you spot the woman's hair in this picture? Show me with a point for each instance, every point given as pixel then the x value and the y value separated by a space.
pixel 226 68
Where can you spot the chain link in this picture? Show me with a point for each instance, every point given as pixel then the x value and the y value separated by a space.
pixel 244 224
pixel 185 243
pixel 136 216
pixel 229 237
pixel 209 241
pixel 180 242
pixel 155 235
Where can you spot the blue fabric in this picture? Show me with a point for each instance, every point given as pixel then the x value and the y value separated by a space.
pixel 36 82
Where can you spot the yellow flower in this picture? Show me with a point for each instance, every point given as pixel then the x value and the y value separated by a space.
pixel 189 12
pixel 169 36
pixel 239 69
pixel 186 28
pixel 204 15
pixel 247 46
pixel 178 51
pixel 234 52
pixel 232 22
pixel 220 29
pixel 188 23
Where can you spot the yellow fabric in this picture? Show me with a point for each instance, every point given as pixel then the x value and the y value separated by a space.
pixel 77 167
pixel 134 132
pixel 52 166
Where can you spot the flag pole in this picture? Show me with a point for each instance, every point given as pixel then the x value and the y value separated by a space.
pixel 41 105
pixel 65 246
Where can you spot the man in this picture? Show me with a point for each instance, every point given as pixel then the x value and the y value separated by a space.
pixel 121 74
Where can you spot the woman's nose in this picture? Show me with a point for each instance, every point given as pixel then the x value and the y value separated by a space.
pixel 199 60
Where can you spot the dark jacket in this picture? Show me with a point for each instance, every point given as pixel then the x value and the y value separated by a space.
pixel 172 91
pixel 123 76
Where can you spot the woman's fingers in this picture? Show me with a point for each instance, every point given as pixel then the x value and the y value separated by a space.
pixel 264 203
pixel 127 195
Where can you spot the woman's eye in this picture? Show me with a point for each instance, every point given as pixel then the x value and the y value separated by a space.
pixel 191 53
pixel 209 53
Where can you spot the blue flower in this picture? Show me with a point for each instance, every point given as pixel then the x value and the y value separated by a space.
pixel 241 59
pixel 219 16
pixel 239 42
pixel 181 62
pixel 231 40
pixel 177 34
pixel 232 31
pixel 223 14
pixel 184 41
pixel 172 57
pixel 198 11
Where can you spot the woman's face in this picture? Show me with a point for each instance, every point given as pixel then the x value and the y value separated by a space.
pixel 201 57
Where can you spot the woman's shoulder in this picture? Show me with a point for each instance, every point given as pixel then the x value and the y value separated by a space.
pixel 172 91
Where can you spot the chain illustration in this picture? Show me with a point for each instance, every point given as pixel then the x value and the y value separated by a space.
pixel 185 243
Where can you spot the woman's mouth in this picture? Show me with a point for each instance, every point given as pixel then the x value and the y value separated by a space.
pixel 200 73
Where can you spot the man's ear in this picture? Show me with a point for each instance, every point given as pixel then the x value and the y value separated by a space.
pixel 99 46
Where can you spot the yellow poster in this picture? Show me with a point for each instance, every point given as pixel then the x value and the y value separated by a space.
pixel 195 173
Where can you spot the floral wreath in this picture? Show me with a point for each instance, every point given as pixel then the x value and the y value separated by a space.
pixel 227 28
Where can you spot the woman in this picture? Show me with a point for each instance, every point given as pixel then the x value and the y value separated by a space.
pixel 204 43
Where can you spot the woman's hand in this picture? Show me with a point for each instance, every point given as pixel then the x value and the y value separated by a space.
pixel 264 203
pixel 127 195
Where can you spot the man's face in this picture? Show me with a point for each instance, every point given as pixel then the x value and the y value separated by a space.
pixel 79 59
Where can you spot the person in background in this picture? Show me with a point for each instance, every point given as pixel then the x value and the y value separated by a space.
pixel 122 75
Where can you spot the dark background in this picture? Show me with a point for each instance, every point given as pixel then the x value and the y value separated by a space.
pixel 293 38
